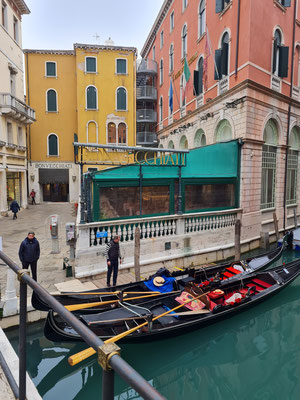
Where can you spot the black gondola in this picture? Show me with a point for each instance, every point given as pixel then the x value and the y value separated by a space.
pixel 234 296
pixel 226 270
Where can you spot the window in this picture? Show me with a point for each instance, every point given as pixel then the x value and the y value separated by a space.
pixel 111 133
pixel 160 109
pixel 16 30
pixel 184 4
pixel 90 65
pixel 292 171
pixel 224 131
pixel 221 4
pixel 280 56
pixel 52 145
pixel 122 137
pixel 161 72
pixel 285 3
pixel 201 18
pixel 172 21
pixel 222 58
pixel 171 58
pixel 121 66
pixel 182 91
pixel 4 14
pixel 91 98
pixel 268 178
pixel 51 100
pixel 161 39
pixel 184 41
pixel 171 145
pixel 10 135
pixel 121 99
pixel 92 132
pixel 183 144
pixel 200 139
pixel 198 78
pixel 155 200
pixel 20 136
pixel 12 83
pixel 153 53
pixel 112 207
pixel 50 68
pixel 201 197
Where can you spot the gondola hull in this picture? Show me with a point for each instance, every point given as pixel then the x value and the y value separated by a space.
pixel 275 280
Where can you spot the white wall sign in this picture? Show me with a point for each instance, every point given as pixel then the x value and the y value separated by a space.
pixel 53 165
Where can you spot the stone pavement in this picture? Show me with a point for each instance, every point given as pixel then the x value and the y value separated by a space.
pixel 50 266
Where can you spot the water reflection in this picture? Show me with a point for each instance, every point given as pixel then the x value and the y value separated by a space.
pixel 254 355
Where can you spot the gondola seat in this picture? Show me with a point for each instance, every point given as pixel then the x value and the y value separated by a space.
pixel 262 283
pixel 233 270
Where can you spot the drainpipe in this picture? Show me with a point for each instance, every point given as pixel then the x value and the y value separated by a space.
pixel 237 38
pixel 289 120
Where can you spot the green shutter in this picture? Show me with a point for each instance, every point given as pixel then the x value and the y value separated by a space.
pixel 90 64
pixel 52 145
pixel 224 59
pixel 51 101
pixel 219 6
pixel 121 66
pixel 91 98
pixel 51 69
pixel 196 83
pixel 287 3
pixel 274 56
pixel 121 99
pixel 283 61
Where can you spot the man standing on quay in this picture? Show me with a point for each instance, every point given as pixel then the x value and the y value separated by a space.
pixel 29 253
pixel 112 254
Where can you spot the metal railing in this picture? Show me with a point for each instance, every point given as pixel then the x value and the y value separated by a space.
pixel 146 137
pixel 114 362
pixel 7 100
pixel 146 92
pixel 144 115
pixel 146 66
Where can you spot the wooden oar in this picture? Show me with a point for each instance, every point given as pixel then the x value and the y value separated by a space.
pixel 84 354
pixel 75 307
pixel 103 293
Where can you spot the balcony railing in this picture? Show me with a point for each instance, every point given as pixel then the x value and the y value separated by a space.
pixel 146 66
pixel 146 93
pixel 146 138
pixel 16 109
pixel 146 115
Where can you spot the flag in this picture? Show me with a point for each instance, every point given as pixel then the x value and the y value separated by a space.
pixel 207 53
pixel 171 96
pixel 187 78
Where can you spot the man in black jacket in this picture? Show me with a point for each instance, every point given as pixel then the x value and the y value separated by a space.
pixel 14 206
pixel 29 253
pixel 112 253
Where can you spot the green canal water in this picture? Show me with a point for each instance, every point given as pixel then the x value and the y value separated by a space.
pixel 254 355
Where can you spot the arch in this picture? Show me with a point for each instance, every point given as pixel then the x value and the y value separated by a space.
pixel 201 18
pixel 171 145
pixel 51 100
pixel 111 133
pixel 225 53
pixel 160 146
pixel 270 135
pixel 122 133
pixel 182 94
pixel 161 109
pixel 161 71
pixel 52 145
pixel 92 132
pixel 294 139
pixel 184 38
pixel 91 95
pixel 277 42
pixel 171 58
pixel 199 138
pixel 183 143
pixel 200 75
pixel 121 98
pixel 223 131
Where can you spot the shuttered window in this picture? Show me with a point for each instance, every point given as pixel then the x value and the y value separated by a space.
pixel 91 98
pixel 221 58
pixel 90 64
pixel 121 66
pixel 198 78
pixel 50 68
pixel 220 5
pixel 52 145
pixel 51 101
pixel 121 99
pixel 280 56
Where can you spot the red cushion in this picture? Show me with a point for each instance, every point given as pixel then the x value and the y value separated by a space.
pixel 233 270
pixel 228 274
pixel 257 288
pixel 215 294
pixel 262 283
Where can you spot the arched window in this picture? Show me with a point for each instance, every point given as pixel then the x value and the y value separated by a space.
pixel 52 145
pixel 111 133
pixel 183 144
pixel 224 131
pixel 201 18
pixel 292 171
pixel 184 41
pixel 122 137
pixel 161 71
pixel 92 132
pixel 160 109
pixel 91 98
pixel 268 177
pixel 276 47
pixel 200 139
pixel 182 93
pixel 199 86
pixel 171 58
pixel 121 99
pixel 171 145
pixel 225 53
pixel 51 100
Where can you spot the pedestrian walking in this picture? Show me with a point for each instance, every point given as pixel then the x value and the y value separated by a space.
pixel 32 195
pixel 29 253
pixel 14 206
pixel 113 255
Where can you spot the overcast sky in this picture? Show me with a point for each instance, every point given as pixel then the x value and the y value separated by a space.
pixel 57 24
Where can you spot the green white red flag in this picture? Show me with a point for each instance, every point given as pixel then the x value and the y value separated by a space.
pixel 187 78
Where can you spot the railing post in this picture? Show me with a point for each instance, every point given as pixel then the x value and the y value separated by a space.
pixel 108 380
pixel 22 335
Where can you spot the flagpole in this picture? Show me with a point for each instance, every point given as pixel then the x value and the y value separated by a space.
pixel 174 87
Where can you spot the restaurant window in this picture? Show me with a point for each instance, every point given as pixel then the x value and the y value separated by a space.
pixel 50 69
pixel 211 196
pixel 111 133
pixel 112 207
pixel 90 64
pixel 155 200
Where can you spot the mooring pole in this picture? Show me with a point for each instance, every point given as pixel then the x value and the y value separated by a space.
pixel 237 239
pixel 179 186
pixel 22 336
pixel 276 226
pixel 137 249
pixel 108 379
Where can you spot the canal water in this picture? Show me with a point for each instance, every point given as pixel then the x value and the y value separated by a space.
pixel 254 355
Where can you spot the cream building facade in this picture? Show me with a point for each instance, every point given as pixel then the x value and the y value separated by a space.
pixel 15 115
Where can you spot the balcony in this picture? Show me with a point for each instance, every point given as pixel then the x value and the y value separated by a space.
pixel 146 138
pixel 146 116
pixel 146 93
pixel 145 66
pixel 14 108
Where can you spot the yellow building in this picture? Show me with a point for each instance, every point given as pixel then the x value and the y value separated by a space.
pixel 15 115
pixel 88 92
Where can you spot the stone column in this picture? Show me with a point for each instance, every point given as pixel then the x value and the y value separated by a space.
pixel 10 299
